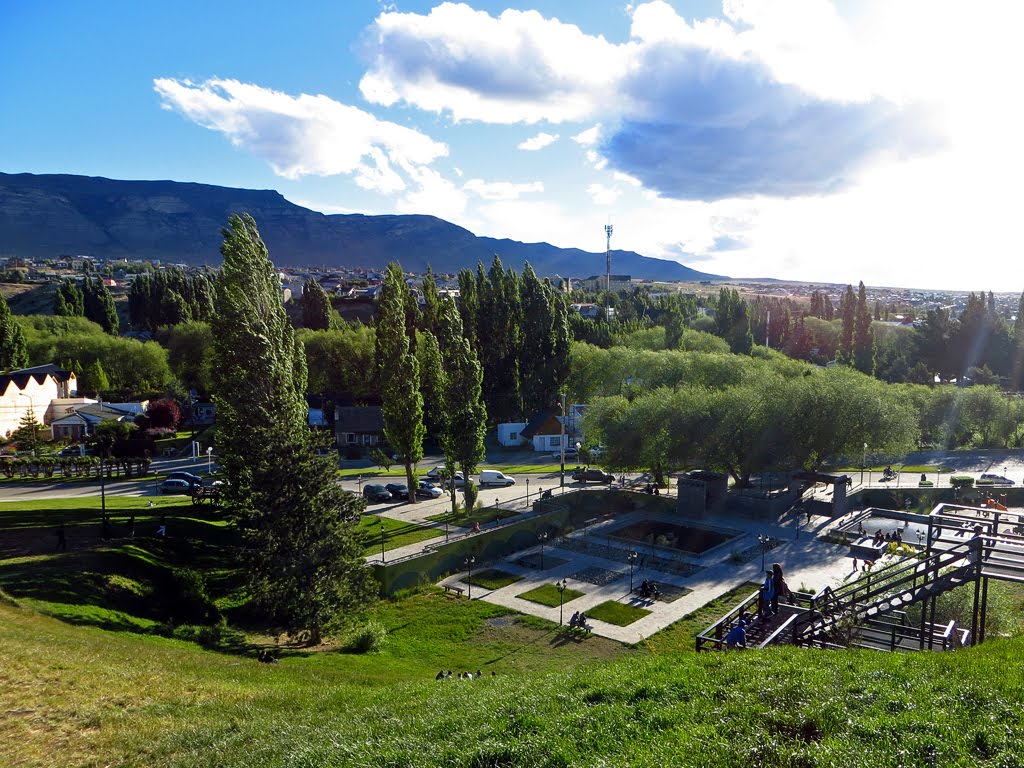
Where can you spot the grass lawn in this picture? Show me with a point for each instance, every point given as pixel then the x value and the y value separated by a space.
pixel 396 533
pixel 619 614
pixel 481 515
pixel 492 578
pixel 547 594
pixel 681 636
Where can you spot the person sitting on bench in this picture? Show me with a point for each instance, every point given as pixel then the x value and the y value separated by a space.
pixel 575 620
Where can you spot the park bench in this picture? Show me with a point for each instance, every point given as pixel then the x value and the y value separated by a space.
pixel 452 588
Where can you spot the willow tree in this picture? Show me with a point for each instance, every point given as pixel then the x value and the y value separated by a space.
pixel 302 556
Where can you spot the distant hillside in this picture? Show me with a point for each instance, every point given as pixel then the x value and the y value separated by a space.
pixel 42 216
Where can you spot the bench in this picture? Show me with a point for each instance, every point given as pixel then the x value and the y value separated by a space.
pixel 452 588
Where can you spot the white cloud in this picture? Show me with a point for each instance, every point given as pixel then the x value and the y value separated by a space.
pixel 539 141
pixel 602 195
pixel 589 137
pixel 774 100
pixel 303 135
pixel 501 190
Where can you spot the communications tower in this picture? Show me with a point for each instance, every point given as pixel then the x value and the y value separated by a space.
pixel 608 258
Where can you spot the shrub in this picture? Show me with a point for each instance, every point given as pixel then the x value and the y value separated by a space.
pixel 471 492
pixel 183 599
pixel 368 638
pixel 961 481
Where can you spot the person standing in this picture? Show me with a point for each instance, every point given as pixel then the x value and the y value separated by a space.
pixel 779 586
pixel 62 542
pixel 767 593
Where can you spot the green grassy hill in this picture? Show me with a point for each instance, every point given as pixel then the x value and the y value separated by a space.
pixel 93 672
pixel 83 696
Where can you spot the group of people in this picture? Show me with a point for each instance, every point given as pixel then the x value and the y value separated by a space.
pixel 771 590
pixel 442 675
pixel 880 538
pixel 649 590
pixel 579 621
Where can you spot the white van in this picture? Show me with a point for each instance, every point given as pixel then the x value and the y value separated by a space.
pixel 494 477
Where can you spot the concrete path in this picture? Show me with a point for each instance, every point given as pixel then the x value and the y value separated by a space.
pixel 809 564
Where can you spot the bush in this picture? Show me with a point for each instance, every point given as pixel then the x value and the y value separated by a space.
pixel 961 481
pixel 183 599
pixel 368 638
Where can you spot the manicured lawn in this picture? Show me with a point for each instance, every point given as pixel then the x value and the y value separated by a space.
pixel 482 515
pixel 396 533
pixel 619 614
pixel 547 594
pixel 492 578
pixel 680 637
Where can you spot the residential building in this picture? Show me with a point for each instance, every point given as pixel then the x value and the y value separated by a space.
pixel 31 390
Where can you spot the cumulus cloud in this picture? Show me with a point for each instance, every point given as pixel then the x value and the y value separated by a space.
pixel 602 195
pixel 304 135
pixel 501 190
pixel 773 100
pixel 539 141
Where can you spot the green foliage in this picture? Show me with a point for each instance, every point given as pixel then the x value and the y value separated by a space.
pixel 399 375
pixel 93 379
pixel 302 557
pixel 619 614
pixel 368 638
pixel 13 346
pixel 732 321
pixel 183 598
pixel 341 360
pixel 961 481
pixel 98 305
pixel 188 348
pixel 316 307
pixel 169 297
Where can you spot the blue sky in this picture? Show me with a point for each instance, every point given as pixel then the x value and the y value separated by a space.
pixel 803 139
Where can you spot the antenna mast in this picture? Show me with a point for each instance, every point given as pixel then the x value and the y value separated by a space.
pixel 608 258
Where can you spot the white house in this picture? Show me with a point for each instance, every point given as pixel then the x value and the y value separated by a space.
pixel 31 390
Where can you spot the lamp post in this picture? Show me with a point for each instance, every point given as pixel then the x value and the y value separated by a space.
pixel 209 459
pixel 542 537
pixel 560 586
pixel 632 556
pixel 527 492
pixel 561 447
pixel 763 540
pixel 863 463
pixel 469 579
pixel 103 485
pixel 382 542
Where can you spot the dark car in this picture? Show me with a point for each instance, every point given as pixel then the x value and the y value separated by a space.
pixel 996 479
pixel 376 493
pixel 592 474
pixel 188 477
pixel 176 485
pixel 397 490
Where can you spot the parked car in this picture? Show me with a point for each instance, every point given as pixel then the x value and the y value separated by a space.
pixel 494 477
pixel 397 490
pixel 437 474
pixel 592 474
pixel 427 490
pixel 571 454
pixel 176 485
pixel 996 479
pixel 459 481
pixel 188 477
pixel 376 493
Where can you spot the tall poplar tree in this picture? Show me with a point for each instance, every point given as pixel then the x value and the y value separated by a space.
pixel 399 375
pixel 302 556
pixel 863 344
pixel 465 416
pixel 316 306
pixel 848 315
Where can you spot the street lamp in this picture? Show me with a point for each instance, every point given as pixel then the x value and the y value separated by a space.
pixel 527 492
pixel 382 542
pixel 631 557
pixel 468 562
pixel 763 540
pixel 560 586
pixel 542 537
pixel 561 447
pixel 209 459
pixel 863 463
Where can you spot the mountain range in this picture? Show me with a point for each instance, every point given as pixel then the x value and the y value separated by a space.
pixel 45 216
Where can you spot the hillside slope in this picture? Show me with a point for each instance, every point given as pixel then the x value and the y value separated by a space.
pixel 76 696
pixel 42 216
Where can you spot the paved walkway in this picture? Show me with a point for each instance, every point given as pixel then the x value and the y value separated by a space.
pixel 809 564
